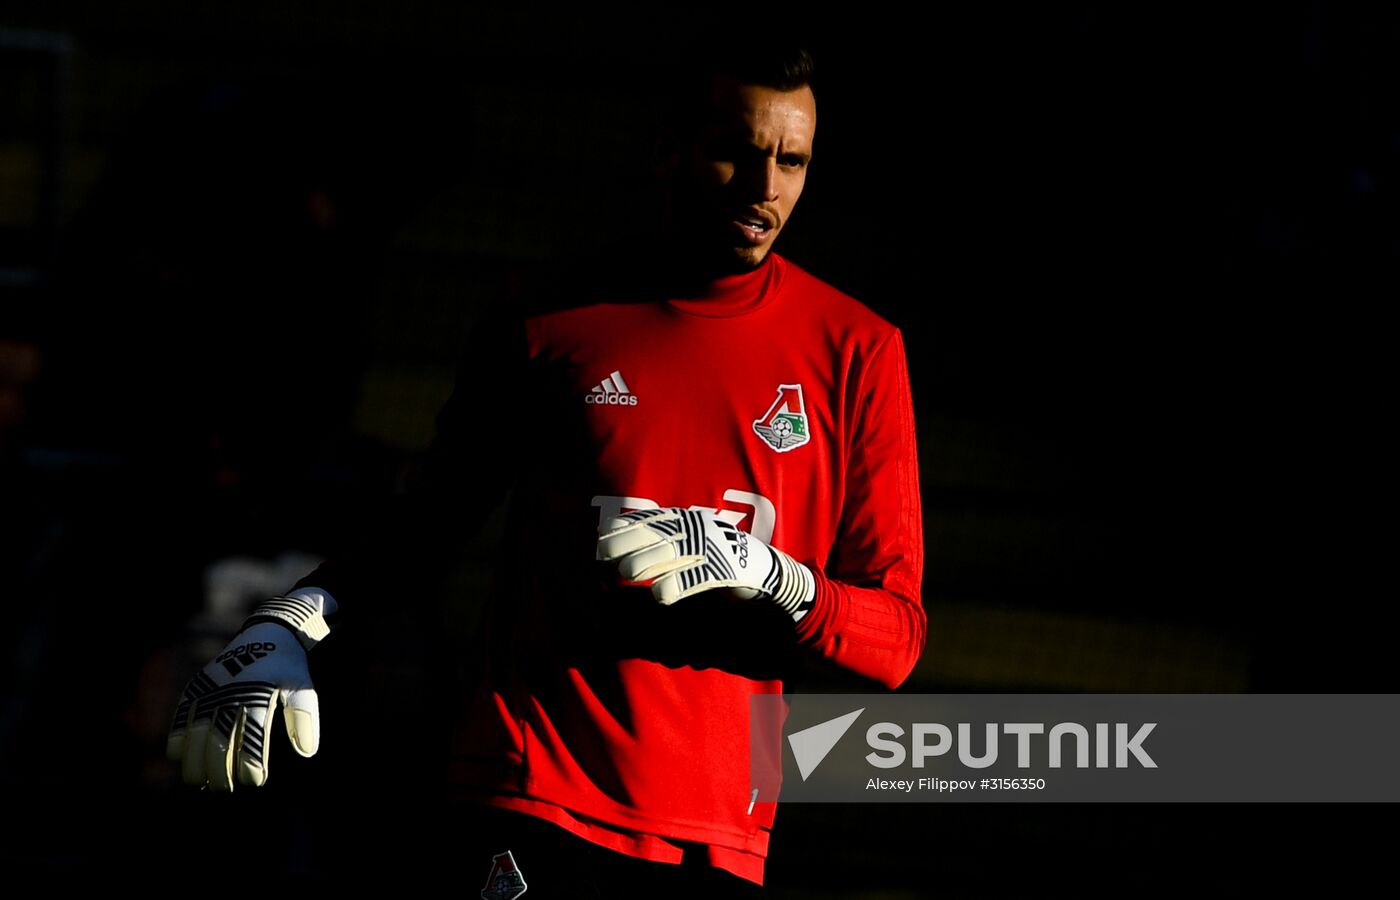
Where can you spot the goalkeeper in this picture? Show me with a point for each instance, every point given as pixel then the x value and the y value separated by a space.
pixel 726 479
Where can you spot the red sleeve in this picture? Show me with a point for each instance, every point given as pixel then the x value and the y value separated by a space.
pixel 867 615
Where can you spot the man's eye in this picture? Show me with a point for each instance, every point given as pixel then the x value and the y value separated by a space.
pixel 791 162
pixel 728 150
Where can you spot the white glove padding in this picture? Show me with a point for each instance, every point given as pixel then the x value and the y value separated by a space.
pixel 220 726
pixel 220 729
pixel 686 551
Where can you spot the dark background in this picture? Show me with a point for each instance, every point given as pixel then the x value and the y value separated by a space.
pixel 1141 258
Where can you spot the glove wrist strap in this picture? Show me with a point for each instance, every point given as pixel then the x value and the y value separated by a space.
pixel 298 611
pixel 796 588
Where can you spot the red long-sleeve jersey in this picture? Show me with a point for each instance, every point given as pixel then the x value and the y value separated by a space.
pixel 770 397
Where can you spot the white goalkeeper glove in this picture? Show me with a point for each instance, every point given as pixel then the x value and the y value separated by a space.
pixel 686 551
pixel 220 731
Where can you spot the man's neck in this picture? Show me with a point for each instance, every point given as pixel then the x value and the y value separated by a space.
pixel 690 272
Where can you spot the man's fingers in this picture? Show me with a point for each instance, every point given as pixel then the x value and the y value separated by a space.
pixel 251 760
pixel 646 544
pixel 219 733
pixel 192 763
pixel 219 747
pixel 651 562
pixel 672 587
pixel 179 730
pixel 303 715
pixel 617 544
pixel 667 589
pixel 175 746
pixel 638 517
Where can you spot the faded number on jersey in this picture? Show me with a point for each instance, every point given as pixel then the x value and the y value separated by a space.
pixel 765 515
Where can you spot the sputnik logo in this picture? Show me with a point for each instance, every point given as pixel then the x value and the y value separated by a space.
pixel 811 745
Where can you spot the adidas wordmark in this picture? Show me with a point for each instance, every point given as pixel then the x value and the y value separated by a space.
pixel 612 392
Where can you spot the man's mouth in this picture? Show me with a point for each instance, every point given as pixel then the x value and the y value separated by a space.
pixel 754 229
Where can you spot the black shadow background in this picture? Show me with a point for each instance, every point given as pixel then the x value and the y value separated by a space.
pixel 1141 257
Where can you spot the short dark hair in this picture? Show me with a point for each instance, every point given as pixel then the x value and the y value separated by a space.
pixel 783 67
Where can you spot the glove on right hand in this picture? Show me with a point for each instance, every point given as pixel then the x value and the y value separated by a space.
pixel 220 729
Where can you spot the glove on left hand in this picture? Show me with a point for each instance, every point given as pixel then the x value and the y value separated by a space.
pixel 686 551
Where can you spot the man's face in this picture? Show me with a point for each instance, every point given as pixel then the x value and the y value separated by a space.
pixel 740 176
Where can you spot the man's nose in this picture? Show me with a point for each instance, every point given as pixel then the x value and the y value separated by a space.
pixel 764 178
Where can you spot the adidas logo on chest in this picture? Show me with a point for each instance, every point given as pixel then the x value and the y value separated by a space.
pixel 613 391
